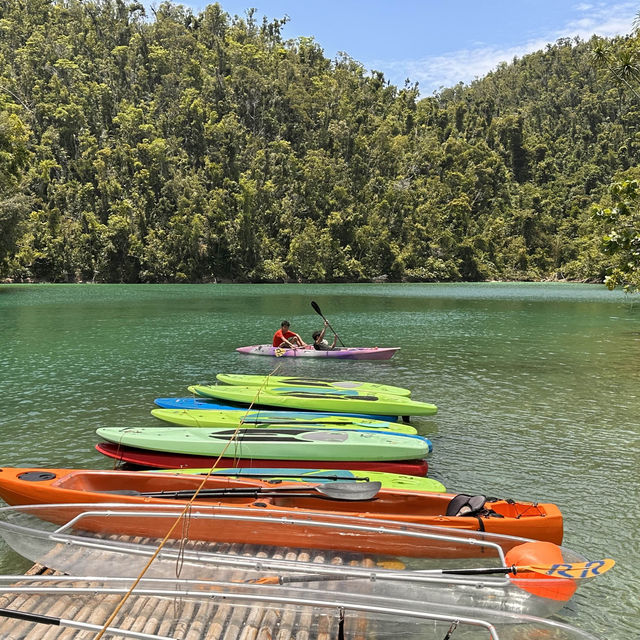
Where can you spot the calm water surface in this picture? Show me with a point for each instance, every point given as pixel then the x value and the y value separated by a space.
pixel 538 388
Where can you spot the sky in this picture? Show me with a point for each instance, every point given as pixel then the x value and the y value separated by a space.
pixel 437 43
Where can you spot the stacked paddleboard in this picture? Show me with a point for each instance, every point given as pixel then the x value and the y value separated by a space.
pixel 287 443
pixel 238 380
pixel 208 404
pixel 268 419
pixel 307 423
pixel 325 399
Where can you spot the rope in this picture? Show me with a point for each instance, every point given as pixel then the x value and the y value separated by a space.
pixel 181 518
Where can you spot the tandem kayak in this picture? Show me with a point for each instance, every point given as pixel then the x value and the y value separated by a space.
pixel 320 399
pixel 284 443
pixel 287 474
pixel 163 460
pixel 350 353
pixel 197 418
pixel 239 380
pixel 204 403
pixel 536 520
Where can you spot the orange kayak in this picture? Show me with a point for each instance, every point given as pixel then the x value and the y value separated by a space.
pixel 538 521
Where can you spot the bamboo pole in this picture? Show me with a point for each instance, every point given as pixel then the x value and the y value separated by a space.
pixel 154 622
pixel 224 613
pixel 289 613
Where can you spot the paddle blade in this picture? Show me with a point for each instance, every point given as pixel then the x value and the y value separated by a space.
pixel 350 490
pixel 570 570
pixel 265 580
pixel 574 570
pixel 316 308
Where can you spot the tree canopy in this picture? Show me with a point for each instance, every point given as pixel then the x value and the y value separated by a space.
pixel 195 147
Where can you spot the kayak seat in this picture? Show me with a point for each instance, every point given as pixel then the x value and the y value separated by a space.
pixel 465 505
pixel 470 506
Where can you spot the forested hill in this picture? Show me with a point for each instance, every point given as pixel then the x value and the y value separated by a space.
pixel 182 147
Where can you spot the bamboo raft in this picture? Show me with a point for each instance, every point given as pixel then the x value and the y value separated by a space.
pixel 189 620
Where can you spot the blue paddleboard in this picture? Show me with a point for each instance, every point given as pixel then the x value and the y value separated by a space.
pixel 203 403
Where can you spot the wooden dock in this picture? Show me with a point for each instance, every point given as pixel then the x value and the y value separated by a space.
pixel 182 618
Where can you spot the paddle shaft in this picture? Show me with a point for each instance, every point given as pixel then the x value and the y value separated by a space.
pixel 317 310
pixel 575 570
pixel 214 493
pixel 62 622
pixel 346 490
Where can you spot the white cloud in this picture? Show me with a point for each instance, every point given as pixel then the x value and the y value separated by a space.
pixel 465 65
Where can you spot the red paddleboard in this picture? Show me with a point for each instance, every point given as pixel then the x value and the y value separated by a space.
pixel 163 460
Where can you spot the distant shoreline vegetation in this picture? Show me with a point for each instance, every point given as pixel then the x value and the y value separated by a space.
pixel 380 280
pixel 183 147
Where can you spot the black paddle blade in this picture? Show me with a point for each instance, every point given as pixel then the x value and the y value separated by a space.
pixel 316 308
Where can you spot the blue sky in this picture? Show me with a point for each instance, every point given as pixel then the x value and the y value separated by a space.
pixel 438 43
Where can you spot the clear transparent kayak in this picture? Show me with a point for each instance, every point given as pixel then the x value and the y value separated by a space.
pixel 163 609
pixel 113 540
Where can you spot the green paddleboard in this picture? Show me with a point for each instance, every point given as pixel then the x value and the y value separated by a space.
pixel 254 419
pixel 319 399
pixel 270 474
pixel 284 444
pixel 239 380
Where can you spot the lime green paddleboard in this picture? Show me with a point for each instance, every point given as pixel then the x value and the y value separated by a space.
pixel 277 444
pixel 239 380
pixel 252 419
pixel 319 399
pixel 271 474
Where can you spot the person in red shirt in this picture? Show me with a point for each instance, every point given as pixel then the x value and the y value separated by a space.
pixel 283 337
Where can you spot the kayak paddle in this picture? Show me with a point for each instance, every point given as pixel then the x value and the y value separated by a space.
pixel 316 308
pixel 348 490
pixel 574 570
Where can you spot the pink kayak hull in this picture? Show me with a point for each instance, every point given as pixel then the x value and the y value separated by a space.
pixel 350 353
pixel 164 460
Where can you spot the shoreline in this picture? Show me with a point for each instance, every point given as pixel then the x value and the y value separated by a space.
pixel 11 281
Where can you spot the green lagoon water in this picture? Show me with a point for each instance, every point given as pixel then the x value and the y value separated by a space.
pixel 538 388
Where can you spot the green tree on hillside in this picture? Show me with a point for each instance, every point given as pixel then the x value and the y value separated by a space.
pixel 14 203
pixel 621 240
pixel 195 147
pixel 620 222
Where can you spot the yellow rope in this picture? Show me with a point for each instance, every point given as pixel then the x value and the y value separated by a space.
pixel 187 509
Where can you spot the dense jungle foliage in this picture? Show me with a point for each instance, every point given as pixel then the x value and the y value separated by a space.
pixel 183 147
